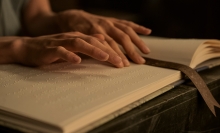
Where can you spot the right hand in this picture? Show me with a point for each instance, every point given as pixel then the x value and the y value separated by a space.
pixel 116 32
pixel 44 50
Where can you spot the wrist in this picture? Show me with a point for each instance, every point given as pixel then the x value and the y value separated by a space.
pixel 51 23
pixel 9 47
pixel 65 20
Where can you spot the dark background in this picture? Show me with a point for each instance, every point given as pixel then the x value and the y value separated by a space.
pixel 167 18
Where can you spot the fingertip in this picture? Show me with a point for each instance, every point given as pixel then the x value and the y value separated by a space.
pixel 146 31
pixel 120 65
pixel 145 49
pixel 139 60
pixel 103 56
pixel 73 58
pixel 126 63
pixel 149 51
pixel 117 61
pixel 142 60
pixel 76 60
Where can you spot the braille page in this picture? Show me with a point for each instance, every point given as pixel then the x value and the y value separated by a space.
pixel 174 50
pixel 73 96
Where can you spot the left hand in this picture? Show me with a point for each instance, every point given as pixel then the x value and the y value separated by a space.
pixel 114 30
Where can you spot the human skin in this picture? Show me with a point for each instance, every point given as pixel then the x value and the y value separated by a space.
pixel 42 50
pixel 104 34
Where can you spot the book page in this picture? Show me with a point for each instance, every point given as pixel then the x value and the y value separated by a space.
pixel 72 96
pixel 174 50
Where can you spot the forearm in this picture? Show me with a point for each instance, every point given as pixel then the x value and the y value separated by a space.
pixel 39 19
pixel 42 25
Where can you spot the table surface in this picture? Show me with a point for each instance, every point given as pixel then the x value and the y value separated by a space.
pixel 180 110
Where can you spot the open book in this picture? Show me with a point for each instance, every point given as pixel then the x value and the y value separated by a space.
pixel 68 98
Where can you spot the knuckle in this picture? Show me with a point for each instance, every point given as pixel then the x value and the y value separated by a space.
pixel 128 29
pixel 76 33
pixel 104 22
pixel 96 28
pixel 18 45
pixel 92 40
pixel 59 48
pixel 100 36
pixel 124 37
pixel 17 42
pixel 131 52
pixel 76 41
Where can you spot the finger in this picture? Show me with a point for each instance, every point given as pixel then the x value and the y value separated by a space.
pixel 79 45
pixel 127 44
pixel 114 58
pixel 55 54
pixel 112 44
pixel 137 28
pixel 99 36
pixel 65 35
pixel 134 37
pixel 74 35
pixel 116 48
pixel 66 55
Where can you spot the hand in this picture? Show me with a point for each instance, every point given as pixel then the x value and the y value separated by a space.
pixel 114 30
pixel 48 49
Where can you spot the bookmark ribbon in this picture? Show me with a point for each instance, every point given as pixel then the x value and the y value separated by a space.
pixel 193 76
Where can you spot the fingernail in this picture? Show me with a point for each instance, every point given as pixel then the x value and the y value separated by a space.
pixel 146 50
pixel 148 31
pixel 121 65
pixel 118 62
pixel 76 60
pixel 142 60
pixel 126 62
pixel 117 59
pixel 104 55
